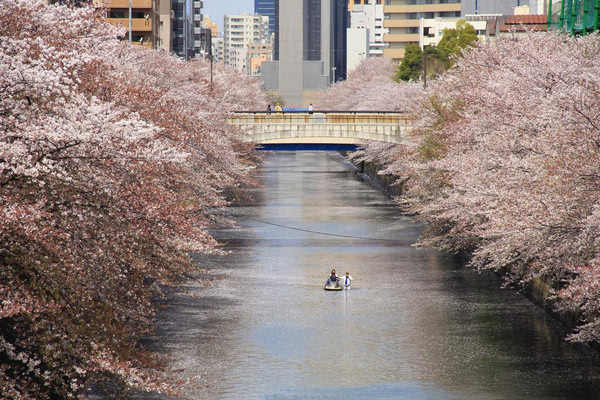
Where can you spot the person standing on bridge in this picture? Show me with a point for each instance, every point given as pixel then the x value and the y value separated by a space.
pixel 347 281
pixel 310 108
pixel 278 108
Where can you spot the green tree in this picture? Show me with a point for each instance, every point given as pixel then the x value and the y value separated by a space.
pixel 411 67
pixel 435 62
pixel 455 40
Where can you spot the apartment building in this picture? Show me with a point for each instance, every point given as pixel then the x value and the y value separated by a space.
pixel 217 44
pixel 365 35
pixel 145 17
pixel 403 20
pixel 241 30
pixel 157 24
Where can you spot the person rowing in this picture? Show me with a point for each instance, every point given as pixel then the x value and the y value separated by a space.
pixel 332 278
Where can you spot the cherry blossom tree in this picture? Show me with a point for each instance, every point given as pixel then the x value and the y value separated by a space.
pixel 503 163
pixel 114 162
pixel 369 87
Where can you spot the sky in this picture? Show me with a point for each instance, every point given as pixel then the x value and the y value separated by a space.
pixel 218 8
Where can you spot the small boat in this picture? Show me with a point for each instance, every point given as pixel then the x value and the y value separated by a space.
pixel 333 285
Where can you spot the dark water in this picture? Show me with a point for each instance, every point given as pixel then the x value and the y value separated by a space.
pixel 414 326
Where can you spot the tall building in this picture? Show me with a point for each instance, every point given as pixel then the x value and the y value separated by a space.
pixel 403 19
pixel 186 25
pixel 200 36
pixel 266 8
pixel 240 30
pixel 309 49
pixel 365 35
pixel 180 28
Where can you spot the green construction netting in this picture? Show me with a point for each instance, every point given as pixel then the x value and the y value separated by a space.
pixel 574 16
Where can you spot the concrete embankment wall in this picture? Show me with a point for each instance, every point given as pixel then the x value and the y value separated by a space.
pixel 385 183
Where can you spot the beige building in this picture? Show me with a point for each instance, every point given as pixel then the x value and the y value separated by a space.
pixel 403 20
pixel 257 53
pixel 207 23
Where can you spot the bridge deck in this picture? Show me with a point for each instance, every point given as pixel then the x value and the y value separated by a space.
pixel 332 127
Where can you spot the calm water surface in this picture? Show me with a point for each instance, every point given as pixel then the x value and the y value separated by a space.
pixel 414 326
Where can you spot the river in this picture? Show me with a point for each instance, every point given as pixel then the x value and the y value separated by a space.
pixel 416 325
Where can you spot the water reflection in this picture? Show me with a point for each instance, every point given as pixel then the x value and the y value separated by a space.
pixel 414 326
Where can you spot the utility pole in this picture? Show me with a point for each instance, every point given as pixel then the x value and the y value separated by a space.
pixel 424 69
pixel 130 22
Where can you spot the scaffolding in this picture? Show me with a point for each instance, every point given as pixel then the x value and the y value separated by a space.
pixel 576 17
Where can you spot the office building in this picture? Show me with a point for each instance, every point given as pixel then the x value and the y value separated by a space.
pixel 309 49
pixel 403 20
pixel 266 8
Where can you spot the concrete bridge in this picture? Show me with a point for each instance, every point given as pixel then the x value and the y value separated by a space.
pixel 337 128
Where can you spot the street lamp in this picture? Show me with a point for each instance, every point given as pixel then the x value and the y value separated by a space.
pixel 333 74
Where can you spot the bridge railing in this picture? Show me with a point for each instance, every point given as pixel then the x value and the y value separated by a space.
pixel 318 112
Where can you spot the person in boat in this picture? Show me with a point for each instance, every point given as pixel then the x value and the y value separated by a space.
pixel 347 281
pixel 332 278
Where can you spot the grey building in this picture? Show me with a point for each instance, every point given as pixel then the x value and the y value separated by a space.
pixel 506 7
pixel 309 49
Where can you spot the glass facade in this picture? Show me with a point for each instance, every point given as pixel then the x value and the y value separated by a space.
pixel 276 25
pixel 312 30
pixel 340 21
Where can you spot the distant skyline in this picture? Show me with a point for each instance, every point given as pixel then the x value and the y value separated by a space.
pixel 218 8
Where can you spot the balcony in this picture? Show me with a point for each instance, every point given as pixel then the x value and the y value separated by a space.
pixel 197 4
pixel 418 8
pixel 401 23
pixel 137 24
pixel 197 17
pixel 197 31
pixel 146 4
pixel 402 38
